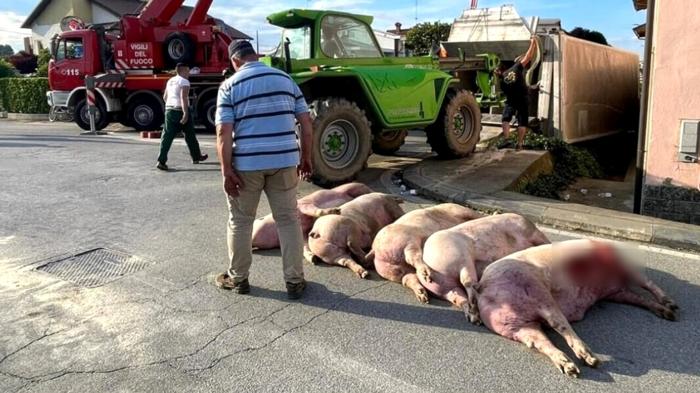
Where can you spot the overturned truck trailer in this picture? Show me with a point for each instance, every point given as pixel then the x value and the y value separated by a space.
pixel 587 90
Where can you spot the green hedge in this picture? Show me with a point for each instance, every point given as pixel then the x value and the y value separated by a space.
pixel 24 95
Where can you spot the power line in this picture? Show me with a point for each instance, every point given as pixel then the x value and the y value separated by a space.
pixel 15 32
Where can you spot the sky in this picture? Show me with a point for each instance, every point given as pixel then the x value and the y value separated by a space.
pixel 614 18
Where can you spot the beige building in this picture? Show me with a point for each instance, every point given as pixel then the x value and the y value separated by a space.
pixel 45 19
pixel 668 183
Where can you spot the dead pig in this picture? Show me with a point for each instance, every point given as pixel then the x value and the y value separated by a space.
pixel 458 255
pixel 265 229
pixel 555 284
pixel 336 238
pixel 397 250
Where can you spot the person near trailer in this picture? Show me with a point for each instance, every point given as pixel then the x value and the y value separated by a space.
pixel 515 89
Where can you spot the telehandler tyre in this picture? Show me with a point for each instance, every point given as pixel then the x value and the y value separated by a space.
pixel 342 140
pixel 458 127
pixel 388 142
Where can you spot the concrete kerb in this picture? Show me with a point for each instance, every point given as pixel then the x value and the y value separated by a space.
pixel 28 116
pixel 567 216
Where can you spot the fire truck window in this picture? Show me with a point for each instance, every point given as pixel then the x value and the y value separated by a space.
pixel 343 37
pixel 60 50
pixel 74 49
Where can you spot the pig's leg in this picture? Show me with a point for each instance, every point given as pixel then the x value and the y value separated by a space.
pixel 643 281
pixel 354 242
pixel 533 337
pixel 461 300
pixel 626 296
pixel 414 257
pixel 411 282
pixel 558 322
pixel 469 279
pixel 352 265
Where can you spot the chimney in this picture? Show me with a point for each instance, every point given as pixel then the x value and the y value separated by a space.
pixel 398 27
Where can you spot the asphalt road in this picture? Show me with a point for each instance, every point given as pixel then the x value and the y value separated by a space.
pixel 166 328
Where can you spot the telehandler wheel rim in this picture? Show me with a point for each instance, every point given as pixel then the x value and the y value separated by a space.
pixel 143 115
pixel 462 125
pixel 339 144
pixel 176 49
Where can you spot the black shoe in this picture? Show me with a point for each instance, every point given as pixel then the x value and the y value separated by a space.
pixel 201 158
pixel 161 166
pixel 224 281
pixel 294 291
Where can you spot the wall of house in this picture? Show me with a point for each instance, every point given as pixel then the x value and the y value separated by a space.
pixel 47 24
pixel 671 186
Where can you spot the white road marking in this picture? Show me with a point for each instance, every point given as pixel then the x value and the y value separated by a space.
pixel 644 247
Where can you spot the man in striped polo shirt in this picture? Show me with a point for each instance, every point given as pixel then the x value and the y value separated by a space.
pixel 258 151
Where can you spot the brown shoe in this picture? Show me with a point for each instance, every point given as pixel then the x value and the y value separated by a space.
pixel 224 281
pixel 295 290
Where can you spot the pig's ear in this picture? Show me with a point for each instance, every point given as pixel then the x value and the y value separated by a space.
pixel 314 235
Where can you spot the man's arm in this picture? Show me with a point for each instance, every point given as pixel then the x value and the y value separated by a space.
pixel 530 52
pixel 306 138
pixel 165 94
pixel 224 149
pixel 185 102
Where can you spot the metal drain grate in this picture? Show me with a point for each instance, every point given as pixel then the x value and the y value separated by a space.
pixel 94 268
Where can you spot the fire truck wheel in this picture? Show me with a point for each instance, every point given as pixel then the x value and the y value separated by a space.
pixel 178 48
pixel 207 114
pixel 144 113
pixel 82 117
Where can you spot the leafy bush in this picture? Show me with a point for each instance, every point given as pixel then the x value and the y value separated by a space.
pixel 422 37
pixel 6 51
pixel 42 65
pixel 570 162
pixel 24 95
pixel 24 62
pixel 6 69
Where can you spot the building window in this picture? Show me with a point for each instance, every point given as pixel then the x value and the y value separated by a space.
pixel 690 142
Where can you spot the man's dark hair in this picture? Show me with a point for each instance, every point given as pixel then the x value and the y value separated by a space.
pixel 178 66
pixel 240 49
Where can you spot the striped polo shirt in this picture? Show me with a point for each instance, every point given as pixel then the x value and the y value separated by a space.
pixel 261 102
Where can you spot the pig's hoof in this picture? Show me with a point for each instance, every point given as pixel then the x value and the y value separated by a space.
pixel 424 272
pixel 363 274
pixel 669 303
pixel 422 297
pixel 475 319
pixel 668 314
pixel 590 360
pixel 569 369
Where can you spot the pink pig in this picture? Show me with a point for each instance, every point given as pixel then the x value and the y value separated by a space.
pixel 336 238
pixel 556 284
pixel 459 254
pixel 397 250
pixel 265 229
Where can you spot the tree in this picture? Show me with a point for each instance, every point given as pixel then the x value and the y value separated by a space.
pixel 423 37
pixel 589 35
pixel 24 62
pixel 42 68
pixel 6 51
pixel 6 69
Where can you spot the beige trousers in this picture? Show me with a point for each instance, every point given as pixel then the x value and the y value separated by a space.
pixel 280 186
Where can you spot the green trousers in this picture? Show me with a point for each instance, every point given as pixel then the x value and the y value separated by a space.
pixel 172 128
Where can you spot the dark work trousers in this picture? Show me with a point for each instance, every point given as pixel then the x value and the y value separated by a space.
pixel 172 128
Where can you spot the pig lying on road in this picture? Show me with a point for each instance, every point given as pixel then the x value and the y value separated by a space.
pixel 458 255
pixel 555 284
pixel 397 249
pixel 265 229
pixel 336 238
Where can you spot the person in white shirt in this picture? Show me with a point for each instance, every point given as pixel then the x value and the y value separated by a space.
pixel 177 117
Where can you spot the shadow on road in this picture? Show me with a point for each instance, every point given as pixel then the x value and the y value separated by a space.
pixel 89 139
pixel 27 145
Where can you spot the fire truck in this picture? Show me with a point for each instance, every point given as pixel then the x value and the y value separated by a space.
pixel 132 61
